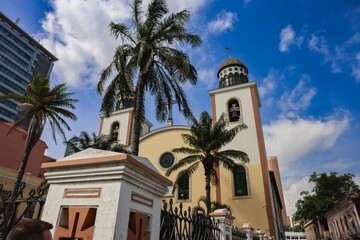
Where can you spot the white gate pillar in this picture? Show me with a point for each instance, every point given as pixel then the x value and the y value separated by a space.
pixel 225 220
pixel 248 230
pixel 102 195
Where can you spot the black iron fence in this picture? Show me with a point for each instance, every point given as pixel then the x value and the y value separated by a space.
pixel 26 205
pixel 237 234
pixel 180 224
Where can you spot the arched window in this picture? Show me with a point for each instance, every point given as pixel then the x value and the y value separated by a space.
pixel 221 84
pixel 115 128
pixel 231 79
pixel 237 78
pixel 183 186
pixel 240 184
pixel 226 81
pixel 234 111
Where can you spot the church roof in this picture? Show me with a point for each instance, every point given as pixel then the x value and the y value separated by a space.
pixel 231 62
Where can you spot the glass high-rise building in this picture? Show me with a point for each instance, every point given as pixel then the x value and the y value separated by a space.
pixel 21 58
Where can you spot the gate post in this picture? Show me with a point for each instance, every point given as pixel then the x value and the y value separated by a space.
pixel 260 234
pixel 249 231
pixel 225 220
pixel 102 195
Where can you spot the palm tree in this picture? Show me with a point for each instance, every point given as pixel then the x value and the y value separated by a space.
pixel 42 103
pixel 147 53
pixel 84 141
pixel 206 141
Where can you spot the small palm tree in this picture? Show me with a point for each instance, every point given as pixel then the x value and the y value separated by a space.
pixel 147 54
pixel 210 206
pixel 206 141
pixel 42 103
pixel 84 141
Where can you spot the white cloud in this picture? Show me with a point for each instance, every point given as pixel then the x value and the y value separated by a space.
pixel 207 76
pixel 269 82
pixel 77 32
pixel 246 2
pixel 339 165
pixel 224 21
pixel 318 44
pixel 292 139
pixel 356 68
pixel 339 56
pixel 288 38
pixel 293 194
pixel 192 5
pixel 299 98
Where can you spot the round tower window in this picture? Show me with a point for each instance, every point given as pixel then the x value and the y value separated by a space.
pixel 167 160
pixel 236 69
pixel 230 69
pixel 225 71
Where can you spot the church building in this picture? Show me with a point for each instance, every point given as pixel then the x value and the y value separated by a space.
pixel 248 192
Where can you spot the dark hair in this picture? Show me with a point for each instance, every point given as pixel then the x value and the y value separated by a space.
pixel 29 229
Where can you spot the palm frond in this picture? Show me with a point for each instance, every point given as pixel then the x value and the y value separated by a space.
pixel 186 150
pixel 234 154
pixel 183 162
pixel 186 173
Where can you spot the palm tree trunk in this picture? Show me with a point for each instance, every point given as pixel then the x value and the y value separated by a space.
pixel 31 139
pixel 20 172
pixel 138 115
pixel 207 186
pixel 29 144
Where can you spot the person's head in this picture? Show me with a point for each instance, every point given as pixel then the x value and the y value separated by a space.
pixel 31 229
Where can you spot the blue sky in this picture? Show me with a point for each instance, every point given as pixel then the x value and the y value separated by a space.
pixel 304 55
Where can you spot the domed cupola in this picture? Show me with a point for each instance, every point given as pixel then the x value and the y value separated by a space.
pixel 232 72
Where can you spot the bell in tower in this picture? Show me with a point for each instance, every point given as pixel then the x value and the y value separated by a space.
pixel 234 111
pixel 115 130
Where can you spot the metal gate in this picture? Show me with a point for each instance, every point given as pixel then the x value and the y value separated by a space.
pixel 179 224
pixel 11 212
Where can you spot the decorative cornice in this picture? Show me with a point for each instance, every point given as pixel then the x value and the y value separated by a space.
pixel 238 86
pixel 97 162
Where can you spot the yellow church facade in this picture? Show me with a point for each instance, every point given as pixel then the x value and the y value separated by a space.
pixel 247 192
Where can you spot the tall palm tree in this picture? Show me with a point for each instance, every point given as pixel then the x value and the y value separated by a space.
pixel 84 141
pixel 204 146
pixel 42 103
pixel 147 53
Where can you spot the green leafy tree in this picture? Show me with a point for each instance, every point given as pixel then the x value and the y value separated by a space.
pixel 85 140
pixel 41 104
pixel 205 142
pixel 147 53
pixel 326 191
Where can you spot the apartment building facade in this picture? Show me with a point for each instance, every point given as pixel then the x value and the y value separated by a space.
pixel 21 58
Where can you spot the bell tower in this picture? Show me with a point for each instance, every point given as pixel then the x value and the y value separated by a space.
pixel 119 123
pixel 239 100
